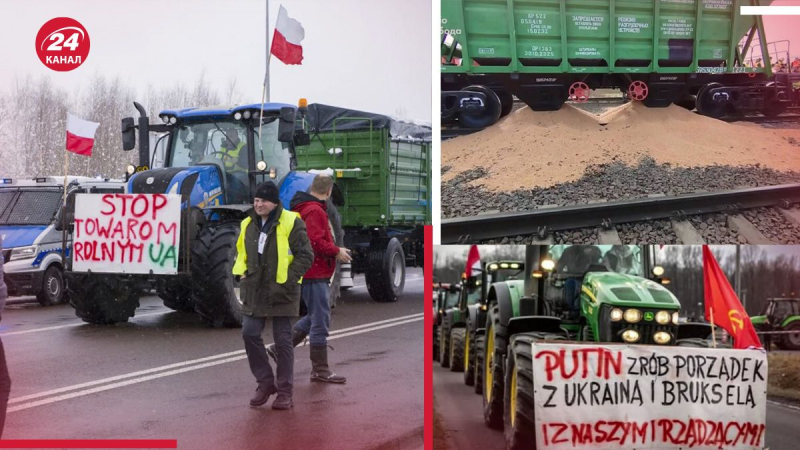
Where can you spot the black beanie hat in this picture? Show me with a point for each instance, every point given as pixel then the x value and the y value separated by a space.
pixel 268 191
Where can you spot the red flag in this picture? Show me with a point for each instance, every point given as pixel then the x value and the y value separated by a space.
pixel 80 135
pixel 473 262
pixel 286 39
pixel 728 310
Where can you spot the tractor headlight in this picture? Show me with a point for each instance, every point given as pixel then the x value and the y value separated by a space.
pixel 616 315
pixel 130 169
pixel 675 317
pixel 504 265
pixel 662 317
pixel 22 253
pixel 237 116
pixel 273 173
pixel 261 165
pixel 632 315
pixel 493 267
pixel 630 336
pixel 548 264
pixel 246 114
pixel 483 307
pixel 662 337
pixel 537 274
pixel 515 266
pixel 658 271
pixel 165 118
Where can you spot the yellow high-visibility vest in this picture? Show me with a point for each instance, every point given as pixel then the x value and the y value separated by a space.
pixel 285 256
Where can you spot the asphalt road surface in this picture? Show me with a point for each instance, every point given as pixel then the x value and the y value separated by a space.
pixel 462 418
pixel 166 375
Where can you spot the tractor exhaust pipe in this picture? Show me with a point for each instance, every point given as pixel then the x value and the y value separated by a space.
pixel 144 135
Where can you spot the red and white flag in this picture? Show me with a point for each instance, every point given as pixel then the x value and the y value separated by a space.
pixel 80 135
pixel 286 39
pixel 473 262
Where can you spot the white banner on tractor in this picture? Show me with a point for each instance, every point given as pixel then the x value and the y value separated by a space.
pixel 626 396
pixel 127 233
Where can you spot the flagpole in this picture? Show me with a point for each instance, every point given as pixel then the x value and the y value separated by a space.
pixel 266 76
pixel 713 330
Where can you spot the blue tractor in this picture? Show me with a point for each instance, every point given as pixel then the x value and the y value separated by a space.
pixel 214 158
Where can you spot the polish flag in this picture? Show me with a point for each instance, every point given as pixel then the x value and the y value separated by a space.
pixel 473 262
pixel 286 39
pixel 80 135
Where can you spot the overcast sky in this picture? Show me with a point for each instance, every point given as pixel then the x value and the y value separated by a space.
pixel 368 55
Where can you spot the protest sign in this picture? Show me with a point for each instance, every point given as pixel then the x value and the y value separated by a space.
pixel 127 233
pixel 626 396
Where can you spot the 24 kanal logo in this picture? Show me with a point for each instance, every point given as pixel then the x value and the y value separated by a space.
pixel 62 44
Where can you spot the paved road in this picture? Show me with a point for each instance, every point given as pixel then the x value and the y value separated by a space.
pixel 165 375
pixel 462 417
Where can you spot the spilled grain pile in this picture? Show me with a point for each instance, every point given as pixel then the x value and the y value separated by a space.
pixel 538 149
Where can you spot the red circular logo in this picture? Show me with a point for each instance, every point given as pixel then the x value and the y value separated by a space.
pixel 62 44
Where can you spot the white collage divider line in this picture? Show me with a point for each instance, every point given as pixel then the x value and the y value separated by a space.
pixel 186 369
pixel 770 10
pixel 333 333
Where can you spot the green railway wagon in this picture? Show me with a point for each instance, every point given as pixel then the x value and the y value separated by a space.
pixel 382 169
pixel 659 52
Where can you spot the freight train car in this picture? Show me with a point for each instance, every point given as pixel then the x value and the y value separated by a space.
pixel 659 52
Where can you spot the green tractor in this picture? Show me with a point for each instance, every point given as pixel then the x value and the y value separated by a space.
pixel 780 314
pixel 605 293
pixel 474 314
pixel 445 296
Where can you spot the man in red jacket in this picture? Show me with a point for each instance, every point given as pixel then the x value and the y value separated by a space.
pixel 315 291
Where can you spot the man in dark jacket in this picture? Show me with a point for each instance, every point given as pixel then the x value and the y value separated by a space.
pixel 5 380
pixel 273 253
pixel 313 209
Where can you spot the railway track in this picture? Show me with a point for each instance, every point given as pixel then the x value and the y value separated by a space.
pixel 607 220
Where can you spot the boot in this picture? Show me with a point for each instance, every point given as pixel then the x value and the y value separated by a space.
pixel 263 394
pixel 297 339
pixel 319 366
pixel 283 401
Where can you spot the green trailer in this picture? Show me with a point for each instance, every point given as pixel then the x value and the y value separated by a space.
pixel 382 169
pixel 657 51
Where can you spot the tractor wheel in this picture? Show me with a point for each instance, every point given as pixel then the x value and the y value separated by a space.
pixel 493 369
pixel 177 294
pixel 457 350
pixel 335 223
pixel 215 292
pixel 102 299
pixel 386 271
pixel 478 369
pixel 706 104
pixel 518 417
pixel 488 115
pixel 469 358
pixel 791 341
pixel 52 287
pixel 444 349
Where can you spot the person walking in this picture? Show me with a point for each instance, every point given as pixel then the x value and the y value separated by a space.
pixel 5 379
pixel 273 253
pixel 316 291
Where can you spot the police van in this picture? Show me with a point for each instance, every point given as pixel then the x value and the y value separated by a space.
pixel 32 247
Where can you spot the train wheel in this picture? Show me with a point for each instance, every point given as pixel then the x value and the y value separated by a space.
pixel 774 104
pixel 506 101
pixel 637 90
pixel 579 92
pixel 706 105
pixel 483 117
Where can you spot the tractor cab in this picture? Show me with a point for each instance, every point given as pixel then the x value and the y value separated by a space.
pixel 449 295
pixel 781 315
pixel 608 293
pixel 215 156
